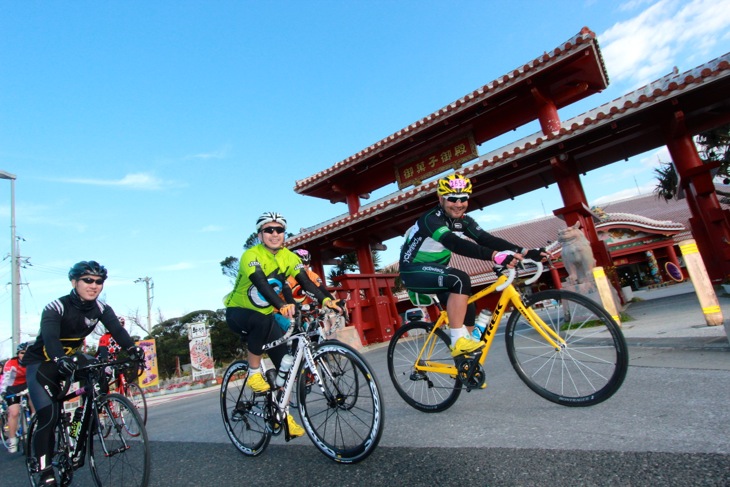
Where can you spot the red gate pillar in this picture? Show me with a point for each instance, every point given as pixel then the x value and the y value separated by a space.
pixel 710 223
pixel 576 210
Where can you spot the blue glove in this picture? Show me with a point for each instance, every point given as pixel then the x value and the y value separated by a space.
pixel 66 365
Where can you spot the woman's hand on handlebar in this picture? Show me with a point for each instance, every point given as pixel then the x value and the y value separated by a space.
pixel 333 305
pixel 288 310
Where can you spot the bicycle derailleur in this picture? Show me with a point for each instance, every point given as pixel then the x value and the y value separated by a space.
pixel 470 371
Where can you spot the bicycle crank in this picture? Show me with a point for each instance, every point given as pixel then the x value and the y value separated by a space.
pixel 470 372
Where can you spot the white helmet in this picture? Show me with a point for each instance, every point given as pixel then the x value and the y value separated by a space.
pixel 270 217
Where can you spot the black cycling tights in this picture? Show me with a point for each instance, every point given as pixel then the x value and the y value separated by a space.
pixel 257 329
pixel 43 388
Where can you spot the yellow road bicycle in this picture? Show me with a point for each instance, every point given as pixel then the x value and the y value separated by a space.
pixel 563 345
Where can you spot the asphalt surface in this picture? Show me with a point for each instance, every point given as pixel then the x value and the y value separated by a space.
pixel 669 424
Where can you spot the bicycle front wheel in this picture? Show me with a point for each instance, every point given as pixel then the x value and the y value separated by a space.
pixel 343 415
pixel 244 412
pixel 427 391
pixel 119 451
pixel 587 368
pixel 23 425
pixel 136 396
pixel 3 426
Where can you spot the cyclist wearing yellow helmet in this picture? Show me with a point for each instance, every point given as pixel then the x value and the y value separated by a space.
pixel 426 253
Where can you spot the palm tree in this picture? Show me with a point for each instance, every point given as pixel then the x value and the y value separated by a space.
pixel 713 146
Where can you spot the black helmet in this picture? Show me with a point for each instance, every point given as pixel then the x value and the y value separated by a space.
pixel 22 347
pixel 86 268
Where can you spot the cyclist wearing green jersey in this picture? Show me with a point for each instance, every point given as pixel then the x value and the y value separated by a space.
pixel 425 256
pixel 252 305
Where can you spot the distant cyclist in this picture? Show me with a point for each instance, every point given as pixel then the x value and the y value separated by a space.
pixel 65 323
pixel 425 256
pixel 107 351
pixel 252 305
pixel 13 382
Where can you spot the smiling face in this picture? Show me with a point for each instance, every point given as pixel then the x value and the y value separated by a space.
pixel 272 236
pixel 454 206
pixel 88 287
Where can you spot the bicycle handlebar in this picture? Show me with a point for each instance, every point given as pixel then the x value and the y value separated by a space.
pixel 91 366
pixel 512 273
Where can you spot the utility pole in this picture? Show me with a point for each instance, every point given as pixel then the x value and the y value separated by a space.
pixel 150 285
pixel 14 273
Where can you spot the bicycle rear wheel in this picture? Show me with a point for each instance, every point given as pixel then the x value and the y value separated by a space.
pixel 119 451
pixel 430 392
pixel 136 396
pixel 344 416
pixel 244 412
pixel 590 366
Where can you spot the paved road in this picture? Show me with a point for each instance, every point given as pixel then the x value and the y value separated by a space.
pixel 669 424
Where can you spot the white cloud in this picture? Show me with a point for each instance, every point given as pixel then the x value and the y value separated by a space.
pixel 647 46
pixel 221 153
pixel 138 181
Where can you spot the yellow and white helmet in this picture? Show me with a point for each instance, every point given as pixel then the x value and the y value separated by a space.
pixel 454 184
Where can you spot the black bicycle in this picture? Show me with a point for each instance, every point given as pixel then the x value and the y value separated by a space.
pixel 338 396
pixel 106 428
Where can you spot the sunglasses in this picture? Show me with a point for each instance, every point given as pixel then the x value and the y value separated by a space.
pixel 457 199
pixel 89 280
pixel 271 230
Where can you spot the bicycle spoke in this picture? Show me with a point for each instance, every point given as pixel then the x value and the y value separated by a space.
pixel 590 364
pixel 429 391
pixel 243 411
pixel 343 413
pixel 119 449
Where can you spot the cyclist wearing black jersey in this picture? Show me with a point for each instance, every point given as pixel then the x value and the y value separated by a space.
pixel 65 323
pixel 426 253
pixel 251 308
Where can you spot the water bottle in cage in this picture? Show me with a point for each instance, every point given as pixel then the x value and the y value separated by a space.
pixel 286 363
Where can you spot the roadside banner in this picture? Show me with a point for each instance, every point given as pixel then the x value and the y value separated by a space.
pixel 201 353
pixel 150 375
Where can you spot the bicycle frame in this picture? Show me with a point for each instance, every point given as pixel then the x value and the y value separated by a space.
pixel 510 295
pixel 302 354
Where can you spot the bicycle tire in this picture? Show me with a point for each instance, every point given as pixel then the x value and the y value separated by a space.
pixel 136 396
pixel 23 425
pixel 430 392
pixel 122 457
pixel 588 369
pixel 343 417
pixel 243 411
pixel 61 461
pixel 3 423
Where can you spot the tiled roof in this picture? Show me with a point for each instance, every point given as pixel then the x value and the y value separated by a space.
pixel 476 97
pixel 654 92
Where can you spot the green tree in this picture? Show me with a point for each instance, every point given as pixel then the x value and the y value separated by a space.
pixel 171 339
pixel 348 264
pixel 712 146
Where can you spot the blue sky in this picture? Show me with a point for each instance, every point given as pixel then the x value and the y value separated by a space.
pixel 150 135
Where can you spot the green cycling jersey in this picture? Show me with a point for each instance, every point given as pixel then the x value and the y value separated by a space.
pixel 259 265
